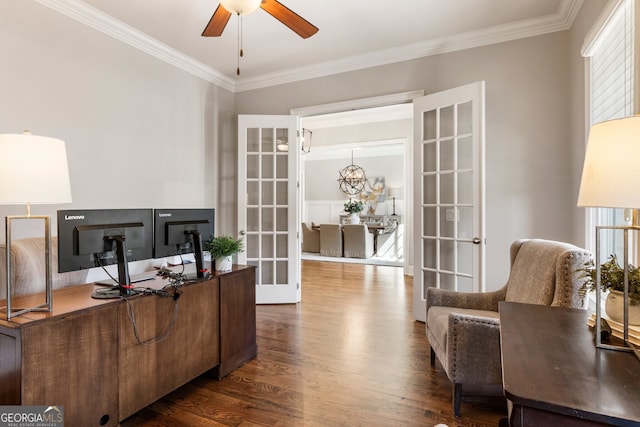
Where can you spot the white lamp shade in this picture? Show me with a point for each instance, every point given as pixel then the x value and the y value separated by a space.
pixel 33 170
pixel 242 7
pixel 395 192
pixel 611 174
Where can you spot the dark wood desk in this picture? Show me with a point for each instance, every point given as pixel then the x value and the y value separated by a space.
pixel 554 375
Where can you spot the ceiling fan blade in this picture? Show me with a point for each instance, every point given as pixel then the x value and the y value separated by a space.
pixel 282 13
pixel 217 22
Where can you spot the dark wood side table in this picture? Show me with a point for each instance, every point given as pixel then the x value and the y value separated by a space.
pixel 554 375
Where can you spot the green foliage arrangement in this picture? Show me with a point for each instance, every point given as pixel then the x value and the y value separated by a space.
pixel 612 279
pixel 353 206
pixel 223 246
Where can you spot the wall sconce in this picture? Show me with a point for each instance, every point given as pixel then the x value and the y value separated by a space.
pixel 305 143
pixel 283 145
pixel 33 170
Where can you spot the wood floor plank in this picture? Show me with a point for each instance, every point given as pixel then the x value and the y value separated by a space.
pixel 350 354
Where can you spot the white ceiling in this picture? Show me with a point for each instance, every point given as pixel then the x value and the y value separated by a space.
pixel 353 34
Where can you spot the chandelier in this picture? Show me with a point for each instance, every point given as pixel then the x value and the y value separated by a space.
pixel 352 179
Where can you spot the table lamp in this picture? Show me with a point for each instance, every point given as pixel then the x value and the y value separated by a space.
pixel 610 179
pixel 393 193
pixel 33 170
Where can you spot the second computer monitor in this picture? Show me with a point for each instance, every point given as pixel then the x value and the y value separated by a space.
pixel 183 231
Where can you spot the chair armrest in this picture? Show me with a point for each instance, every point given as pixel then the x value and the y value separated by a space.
pixel 472 300
pixel 470 337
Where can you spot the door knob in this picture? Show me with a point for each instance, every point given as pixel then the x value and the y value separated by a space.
pixel 242 232
pixel 476 241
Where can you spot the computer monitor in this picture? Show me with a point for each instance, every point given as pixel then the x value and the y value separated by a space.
pixel 98 237
pixel 182 231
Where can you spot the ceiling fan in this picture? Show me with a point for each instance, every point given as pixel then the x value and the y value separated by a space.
pixel 282 13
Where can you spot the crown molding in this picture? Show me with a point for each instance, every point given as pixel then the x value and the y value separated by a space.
pixel 94 18
pixel 559 21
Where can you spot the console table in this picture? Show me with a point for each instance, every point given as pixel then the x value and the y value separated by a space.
pixel 85 356
pixel 553 374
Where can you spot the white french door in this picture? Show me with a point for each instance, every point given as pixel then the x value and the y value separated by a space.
pixel 448 154
pixel 268 158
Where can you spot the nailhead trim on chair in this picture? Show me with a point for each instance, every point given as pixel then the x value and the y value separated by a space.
pixel 457 321
pixel 568 291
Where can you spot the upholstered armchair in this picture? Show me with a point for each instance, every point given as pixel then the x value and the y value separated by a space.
pixel 358 242
pixel 331 240
pixel 27 268
pixel 463 329
pixel 310 239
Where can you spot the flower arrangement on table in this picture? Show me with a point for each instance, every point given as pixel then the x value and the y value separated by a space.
pixel 353 206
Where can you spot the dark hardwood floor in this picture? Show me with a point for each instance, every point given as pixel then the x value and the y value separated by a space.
pixel 350 354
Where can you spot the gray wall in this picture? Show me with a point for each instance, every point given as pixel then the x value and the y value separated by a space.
pixel 138 132
pixel 321 175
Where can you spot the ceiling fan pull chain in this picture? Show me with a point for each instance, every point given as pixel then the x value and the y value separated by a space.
pixel 239 42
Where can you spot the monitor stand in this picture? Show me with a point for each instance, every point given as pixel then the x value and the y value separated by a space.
pixel 107 293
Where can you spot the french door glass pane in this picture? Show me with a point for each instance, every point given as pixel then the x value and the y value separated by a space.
pixel 430 259
pixel 447 121
pixel 447 186
pixel 253 138
pixel 429 186
pixel 447 255
pixel 447 218
pixel 252 166
pixel 465 153
pixel 429 158
pixel 268 143
pixel 429 221
pixel 253 219
pixel 252 246
pixel 447 154
pixel 465 222
pixel 282 189
pixel 465 189
pixel 268 223
pixel 429 121
pixel 267 193
pixel 253 193
pixel 465 118
pixel 465 255
pixel 267 246
pixel 267 166
pixel 281 219
pixel 447 281
pixel 465 284
pixel 281 275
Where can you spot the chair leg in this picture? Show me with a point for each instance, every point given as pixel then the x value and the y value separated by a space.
pixel 433 356
pixel 457 397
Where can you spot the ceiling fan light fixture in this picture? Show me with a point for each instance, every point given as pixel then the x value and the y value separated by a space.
pixel 241 7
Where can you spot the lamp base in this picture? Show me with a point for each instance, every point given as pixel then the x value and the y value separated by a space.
pixel 600 322
pixel 47 306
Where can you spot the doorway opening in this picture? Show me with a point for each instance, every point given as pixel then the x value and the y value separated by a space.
pixel 376 139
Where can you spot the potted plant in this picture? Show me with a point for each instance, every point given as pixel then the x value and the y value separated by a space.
pixel 612 281
pixel 222 248
pixel 354 207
